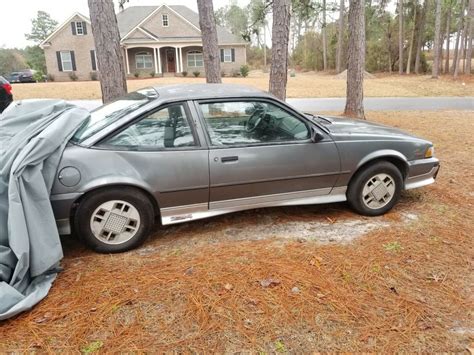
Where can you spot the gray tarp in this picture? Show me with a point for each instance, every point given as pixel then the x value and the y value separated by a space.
pixel 33 134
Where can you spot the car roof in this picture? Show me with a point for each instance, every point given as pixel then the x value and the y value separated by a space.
pixel 207 91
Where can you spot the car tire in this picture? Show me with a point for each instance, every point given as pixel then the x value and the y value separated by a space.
pixel 114 220
pixel 375 189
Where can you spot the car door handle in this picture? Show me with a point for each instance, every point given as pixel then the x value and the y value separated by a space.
pixel 229 159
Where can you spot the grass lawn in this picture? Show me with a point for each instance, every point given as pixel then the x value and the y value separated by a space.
pixel 402 285
pixel 303 85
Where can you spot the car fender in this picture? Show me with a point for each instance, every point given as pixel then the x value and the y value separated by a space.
pixel 108 181
pixel 383 153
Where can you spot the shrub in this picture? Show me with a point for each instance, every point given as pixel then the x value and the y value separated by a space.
pixel 196 73
pixel 244 70
pixel 73 76
pixel 152 74
pixel 136 74
pixel 93 75
pixel 38 76
pixel 292 73
pixel 185 73
pixel 50 77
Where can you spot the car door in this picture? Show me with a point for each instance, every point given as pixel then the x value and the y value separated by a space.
pixel 164 149
pixel 261 153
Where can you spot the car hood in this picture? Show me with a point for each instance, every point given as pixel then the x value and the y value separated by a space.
pixel 343 128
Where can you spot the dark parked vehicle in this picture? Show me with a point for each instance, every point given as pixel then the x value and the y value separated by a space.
pixel 24 76
pixel 14 77
pixel 186 152
pixel 6 96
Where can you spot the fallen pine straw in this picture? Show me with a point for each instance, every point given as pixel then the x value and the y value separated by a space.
pixel 404 288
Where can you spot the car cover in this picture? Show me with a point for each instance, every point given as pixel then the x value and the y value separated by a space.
pixel 33 135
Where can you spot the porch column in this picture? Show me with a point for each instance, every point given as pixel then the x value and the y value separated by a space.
pixel 155 60
pixel 159 60
pixel 181 58
pixel 177 62
pixel 126 61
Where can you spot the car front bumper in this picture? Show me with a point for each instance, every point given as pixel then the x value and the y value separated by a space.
pixel 421 172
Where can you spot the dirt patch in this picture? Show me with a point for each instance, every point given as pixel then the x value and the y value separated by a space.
pixel 271 281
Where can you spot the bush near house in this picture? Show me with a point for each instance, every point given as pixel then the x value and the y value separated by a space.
pixel 244 70
pixel 39 76
pixel 185 73
pixel 73 76
pixel 196 73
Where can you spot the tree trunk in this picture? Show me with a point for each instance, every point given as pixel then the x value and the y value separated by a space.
pixel 441 40
pixel 412 40
pixel 356 60
pixel 420 36
pixel 470 39
pixel 280 33
pixel 435 68
pixel 323 33
pixel 210 49
pixel 400 37
pixel 458 36
pixel 448 37
pixel 113 82
pixel 264 47
pixel 340 38
pixel 460 54
pixel 466 36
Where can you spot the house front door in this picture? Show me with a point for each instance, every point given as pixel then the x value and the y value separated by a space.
pixel 171 60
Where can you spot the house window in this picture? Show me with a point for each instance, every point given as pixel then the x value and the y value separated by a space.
pixel 227 55
pixel 80 28
pixel 93 60
pixel 195 59
pixel 144 60
pixel 165 20
pixel 66 61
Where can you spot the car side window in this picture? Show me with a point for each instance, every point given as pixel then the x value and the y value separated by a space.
pixel 165 128
pixel 251 122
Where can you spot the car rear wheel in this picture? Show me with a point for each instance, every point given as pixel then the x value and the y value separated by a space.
pixel 376 189
pixel 114 220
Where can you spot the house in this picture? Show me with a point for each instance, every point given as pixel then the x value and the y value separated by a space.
pixel 156 40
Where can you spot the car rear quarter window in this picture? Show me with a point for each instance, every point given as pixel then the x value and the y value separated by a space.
pixel 107 114
pixel 166 128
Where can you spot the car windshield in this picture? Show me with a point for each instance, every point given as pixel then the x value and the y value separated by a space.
pixel 110 113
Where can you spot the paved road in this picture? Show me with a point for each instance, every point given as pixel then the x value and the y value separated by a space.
pixel 370 103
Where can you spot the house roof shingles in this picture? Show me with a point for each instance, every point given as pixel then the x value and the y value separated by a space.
pixel 129 18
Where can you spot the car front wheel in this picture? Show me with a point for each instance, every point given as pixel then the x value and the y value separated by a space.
pixel 114 220
pixel 376 189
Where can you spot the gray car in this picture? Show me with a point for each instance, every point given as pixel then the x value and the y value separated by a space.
pixel 186 152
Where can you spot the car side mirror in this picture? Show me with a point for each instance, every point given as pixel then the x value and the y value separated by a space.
pixel 316 136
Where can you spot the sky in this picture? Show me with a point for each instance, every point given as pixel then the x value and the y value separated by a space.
pixel 17 14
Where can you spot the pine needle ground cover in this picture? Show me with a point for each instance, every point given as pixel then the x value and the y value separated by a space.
pixel 294 279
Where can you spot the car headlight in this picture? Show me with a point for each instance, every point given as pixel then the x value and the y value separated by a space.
pixel 429 152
